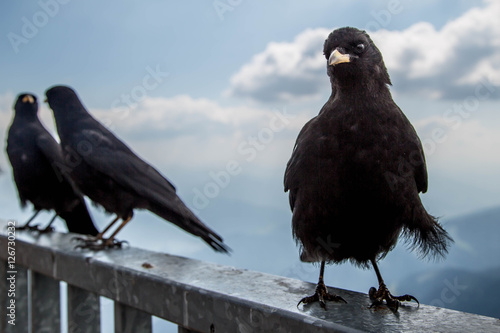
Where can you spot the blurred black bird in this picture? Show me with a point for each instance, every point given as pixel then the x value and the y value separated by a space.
pixel 356 171
pixel 37 164
pixel 110 174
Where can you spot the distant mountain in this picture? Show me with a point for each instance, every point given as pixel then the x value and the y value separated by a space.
pixel 476 246
pixel 469 278
pixel 459 289
pixel 477 240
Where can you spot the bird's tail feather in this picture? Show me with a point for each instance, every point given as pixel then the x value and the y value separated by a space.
pixel 78 220
pixel 428 237
pixel 216 243
pixel 190 223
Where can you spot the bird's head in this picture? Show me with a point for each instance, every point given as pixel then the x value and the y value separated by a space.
pixel 351 54
pixel 63 100
pixel 26 105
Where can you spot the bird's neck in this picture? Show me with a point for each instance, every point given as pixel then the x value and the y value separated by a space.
pixel 359 90
pixel 26 117
pixel 66 122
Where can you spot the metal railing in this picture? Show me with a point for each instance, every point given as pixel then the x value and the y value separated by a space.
pixel 196 295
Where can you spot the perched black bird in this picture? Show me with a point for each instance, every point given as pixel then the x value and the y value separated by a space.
pixel 37 164
pixel 356 171
pixel 110 174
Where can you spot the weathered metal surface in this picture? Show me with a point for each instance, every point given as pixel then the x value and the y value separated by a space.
pixel 130 320
pixel 15 288
pixel 45 304
pixel 84 314
pixel 205 297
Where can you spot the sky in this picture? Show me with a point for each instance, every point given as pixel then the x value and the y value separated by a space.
pixel 213 94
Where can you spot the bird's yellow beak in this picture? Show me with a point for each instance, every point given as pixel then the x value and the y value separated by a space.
pixel 28 99
pixel 337 58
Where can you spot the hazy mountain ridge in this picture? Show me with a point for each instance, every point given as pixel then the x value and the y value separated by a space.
pixel 470 277
pixel 459 289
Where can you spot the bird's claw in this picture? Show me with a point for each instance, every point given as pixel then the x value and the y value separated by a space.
pixel 117 243
pixel 98 244
pixel 407 298
pixel 321 295
pixel 84 239
pixel 393 302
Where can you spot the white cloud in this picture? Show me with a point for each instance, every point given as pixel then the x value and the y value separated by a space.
pixel 463 149
pixel 179 112
pixel 421 59
pixel 200 132
pixel 5 119
pixel 471 148
pixel 447 62
pixel 287 70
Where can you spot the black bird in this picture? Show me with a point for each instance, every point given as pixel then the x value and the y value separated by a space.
pixel 37 164
pixel 356 172
pixel 110 174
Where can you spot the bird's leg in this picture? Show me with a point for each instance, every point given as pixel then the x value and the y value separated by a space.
pixel 111 242
pixel 27 224
pixel 321 294
pixel 101 234
pixel 48 228
pixel 89 240
pixel 100 243
pixel 378 296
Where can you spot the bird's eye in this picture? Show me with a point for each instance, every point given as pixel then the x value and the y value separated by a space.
pixel 360 47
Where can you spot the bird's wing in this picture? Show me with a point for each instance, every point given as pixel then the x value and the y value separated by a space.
pixel 421 170
pixel 113 158
pixel 13 148
pixel 416 156
pixel 76 215
pixel 292 172
pixel 53 153
pixel 50 148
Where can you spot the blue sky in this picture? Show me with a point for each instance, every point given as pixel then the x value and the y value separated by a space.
pixel 112 43
pixel 202 93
